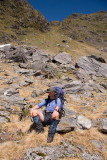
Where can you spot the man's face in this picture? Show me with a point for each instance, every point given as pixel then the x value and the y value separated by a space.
pixel 51 94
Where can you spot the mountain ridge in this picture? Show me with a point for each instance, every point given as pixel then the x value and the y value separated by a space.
pixel 91 28
pixel 85 28
pixel 13 24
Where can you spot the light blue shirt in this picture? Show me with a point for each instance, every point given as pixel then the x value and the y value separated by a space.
pixel 51 104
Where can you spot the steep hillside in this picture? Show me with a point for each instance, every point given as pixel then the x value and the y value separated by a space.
pixel 78 34
pixel 90 28
pixel 19 21
pixel 19 18
pixel 81 133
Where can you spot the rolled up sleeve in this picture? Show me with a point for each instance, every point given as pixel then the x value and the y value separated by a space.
pixel 43 103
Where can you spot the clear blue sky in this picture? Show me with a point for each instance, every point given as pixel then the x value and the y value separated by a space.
pixel 60 9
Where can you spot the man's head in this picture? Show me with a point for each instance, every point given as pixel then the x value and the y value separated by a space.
pixel 51 92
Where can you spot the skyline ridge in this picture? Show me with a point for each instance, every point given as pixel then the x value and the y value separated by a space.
pixel 58 10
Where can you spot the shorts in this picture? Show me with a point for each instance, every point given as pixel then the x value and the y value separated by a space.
pixel 47 118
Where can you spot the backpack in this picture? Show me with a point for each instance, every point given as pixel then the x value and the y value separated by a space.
pixel 59 93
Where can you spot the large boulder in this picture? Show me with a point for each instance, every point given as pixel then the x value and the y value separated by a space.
pixel 65 150
pixel 91 66
pixel 66 125
pixel 39 65
pixel 40 56
pixel 63 58
pixel 16 54
pixel 11 91
pixel 84 122
pixel 73 87
pixel 68 122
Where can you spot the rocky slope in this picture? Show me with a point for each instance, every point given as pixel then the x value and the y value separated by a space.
pixel 25 74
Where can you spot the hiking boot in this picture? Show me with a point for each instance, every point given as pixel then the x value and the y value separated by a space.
pixel 31 128
pixel 52 130
pixel 49 139
pixel 38 125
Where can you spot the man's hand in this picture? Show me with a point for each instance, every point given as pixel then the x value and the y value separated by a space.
pixel 55 115
pixel 32 110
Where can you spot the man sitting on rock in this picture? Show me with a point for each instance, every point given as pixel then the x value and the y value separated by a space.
pixel 50 116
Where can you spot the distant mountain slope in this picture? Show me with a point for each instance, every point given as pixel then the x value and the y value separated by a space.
pixel 17 18
pixel 20 22
pixel 91 28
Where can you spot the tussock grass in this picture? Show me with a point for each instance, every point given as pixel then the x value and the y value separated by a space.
pixel 84 137
pixel 15 149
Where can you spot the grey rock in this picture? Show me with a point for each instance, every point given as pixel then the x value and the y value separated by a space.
pixel 23 83
pixel 39 92
pixel 98 144
pixel 2 91
pixel 63 58
pixel 2 78
pixel 84 122
pixel 9 81
pixel 34 94
pixel 81 148
pixel 82 75
pixel 4 113
pixel 28 80
pixel 23 65
pixel 3 119
pixel 11 91
pixel 73 87
pixel 15 86
pixel 14 99
pixel 40 56
pixel 68 122
pixel 97 157
pixel 41 68
pixel 104 84
pixel 103 125
pixel 92 66
pixel 88 156
pixel 69 112
pixel 37 73
pixel 98 88
pixel 23 71
pixel 51 152
pixel 66 125
pixel 38 66
pixel 16 54
pixel 105 112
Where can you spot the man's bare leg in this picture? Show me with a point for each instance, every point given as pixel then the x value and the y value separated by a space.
pixel 39 114
pixel 38 118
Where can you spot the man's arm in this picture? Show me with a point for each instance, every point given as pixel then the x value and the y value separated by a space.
pixel 55 114
pixel 43 103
